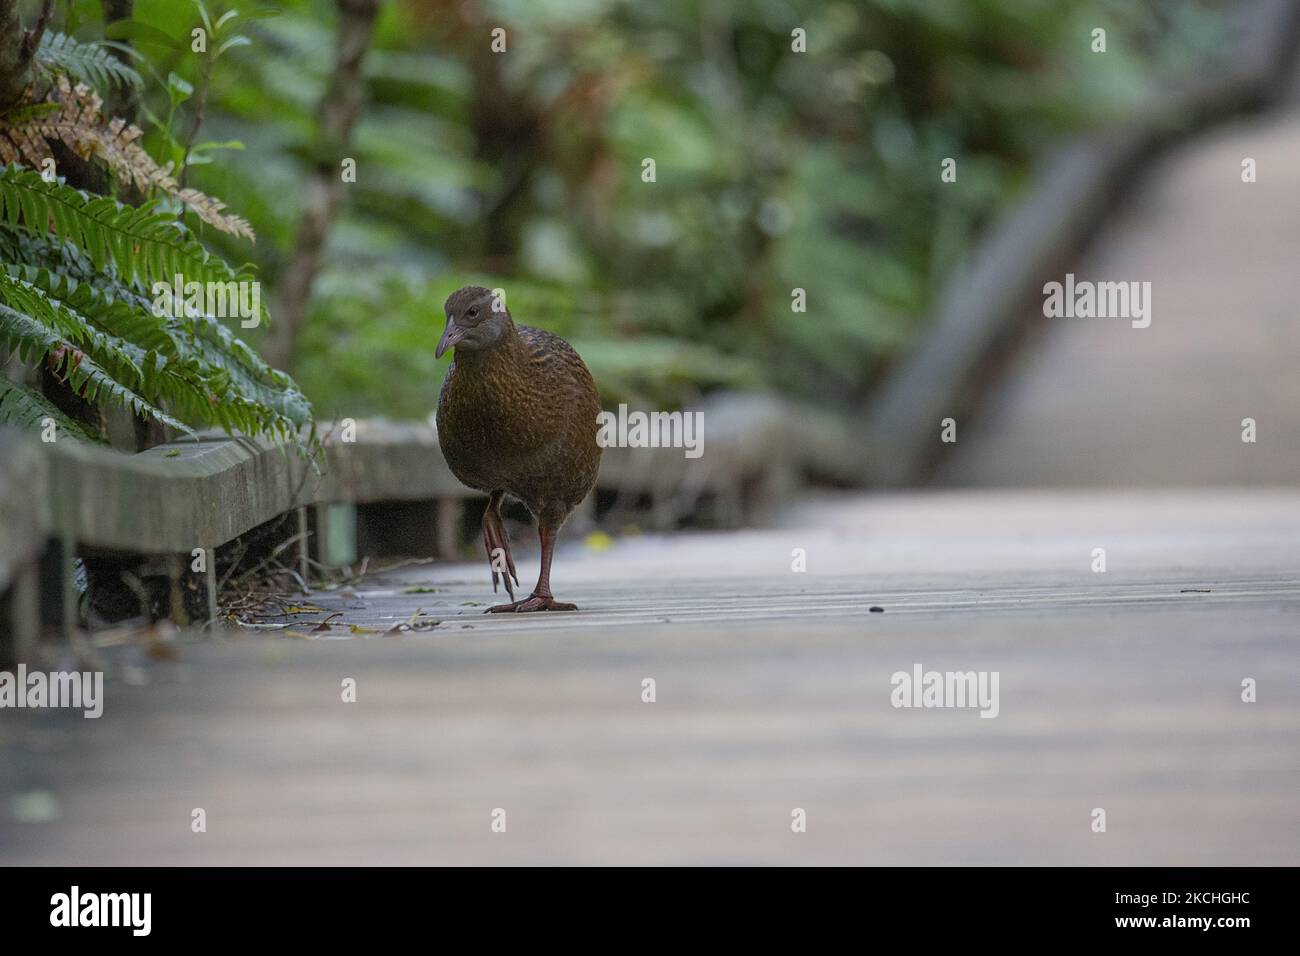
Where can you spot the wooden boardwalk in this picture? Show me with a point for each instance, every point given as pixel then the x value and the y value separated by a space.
pixel 1097 402
pixel 1119 690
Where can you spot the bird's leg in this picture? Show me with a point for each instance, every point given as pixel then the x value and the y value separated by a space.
pixel 541 599
pixel 497 544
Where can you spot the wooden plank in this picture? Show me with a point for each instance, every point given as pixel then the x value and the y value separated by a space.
pixel 749 441
pixel 387 461
pixel 1119 690
pixel 189 494
pixel 24 519
pixel 172 498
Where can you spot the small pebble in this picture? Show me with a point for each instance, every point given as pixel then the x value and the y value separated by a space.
pixel 876 610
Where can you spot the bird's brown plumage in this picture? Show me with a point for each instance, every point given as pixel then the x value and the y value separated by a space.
pixel 518 414
pixel 521 417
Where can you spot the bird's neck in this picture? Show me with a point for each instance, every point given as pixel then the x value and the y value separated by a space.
pixel 505 353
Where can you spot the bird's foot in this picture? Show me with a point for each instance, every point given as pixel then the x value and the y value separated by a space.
pixel 497 545
pixel 534 602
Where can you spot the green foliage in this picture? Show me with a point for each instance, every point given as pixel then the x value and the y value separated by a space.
pixel 74 299
pixel 191 364
pixel 36 329
pixel 24 408
pixel 91 63
pixel 140 241
pixel 775 170
pixel 85 279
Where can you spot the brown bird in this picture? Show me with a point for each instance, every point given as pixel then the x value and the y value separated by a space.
pixel 517 416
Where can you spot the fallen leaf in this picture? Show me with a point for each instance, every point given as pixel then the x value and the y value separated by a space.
pixel 598 541
pixel 303 609
pixel 414 623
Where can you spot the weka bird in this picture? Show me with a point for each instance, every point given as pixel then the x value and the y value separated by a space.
pixel 517 416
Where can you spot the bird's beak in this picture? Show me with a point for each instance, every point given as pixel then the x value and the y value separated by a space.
pixel 450 336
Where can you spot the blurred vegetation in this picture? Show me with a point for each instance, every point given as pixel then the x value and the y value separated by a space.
pixel 775 170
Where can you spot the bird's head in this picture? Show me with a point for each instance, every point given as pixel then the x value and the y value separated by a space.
pixel 477 319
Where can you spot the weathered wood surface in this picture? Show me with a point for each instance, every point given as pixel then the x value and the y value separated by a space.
pixel 756 448
pixel 192 494
pixel 189 494
pixel 1118 690
pixel 24 525
pixel 384 461
pixel 171 498
pixel 746 438
pixel 23 511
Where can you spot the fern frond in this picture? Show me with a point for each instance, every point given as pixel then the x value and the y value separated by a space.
pixel 79 124
pixel 142 243
pixel 72 122
pixel 127 318
pixel 250 378
pixel 194 365
pixel 123 153
pixel 92 63
pixel 26 408
pixel 65 273
pixel 191 365
pixel 38 329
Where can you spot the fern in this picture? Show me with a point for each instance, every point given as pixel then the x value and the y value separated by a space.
pixel 93 365
pixel 92 63
pixel 78 124
pixel 139 241
pixel 26 408
pixel 74 270
pixel 194 365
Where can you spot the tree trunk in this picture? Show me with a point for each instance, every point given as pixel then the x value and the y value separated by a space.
pixel 123 100
pixel 18 49
pixel 335 118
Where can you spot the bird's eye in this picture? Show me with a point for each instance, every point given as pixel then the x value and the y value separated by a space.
pixel 473 312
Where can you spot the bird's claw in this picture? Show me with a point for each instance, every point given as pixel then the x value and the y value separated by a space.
pixel 497 545
pixel 534 602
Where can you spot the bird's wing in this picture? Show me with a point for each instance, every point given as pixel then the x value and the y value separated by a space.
pixel 551 355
